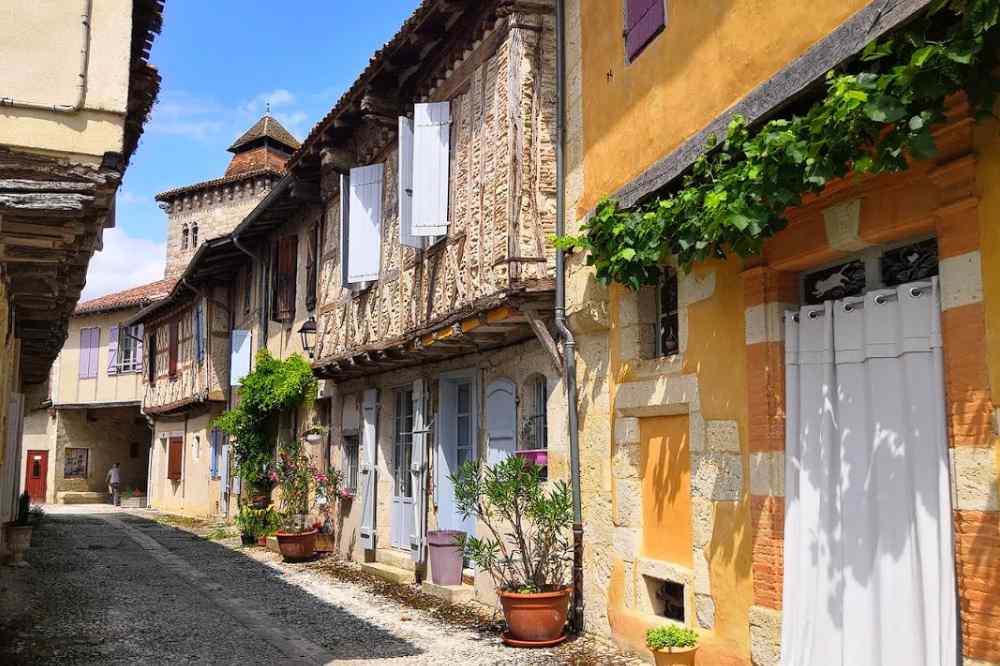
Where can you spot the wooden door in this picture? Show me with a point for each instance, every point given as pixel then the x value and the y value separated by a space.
pixel 37 470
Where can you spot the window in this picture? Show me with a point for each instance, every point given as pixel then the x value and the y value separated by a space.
pixel 403 443
pixel 194 236
pixel 874 268
pixel 667 326
pixel 215 461
pixel 285 260
pixel 534 434
pixel 184 237
pixel 463 423
pixel 90 349
pixel 199 332
pixel 196 447
pixel 644 20
pixel 312 267
pixel 349 463
pixel 151 357
pixel 129 349
pixel 75 463
pixel 173 342
pixel 175 457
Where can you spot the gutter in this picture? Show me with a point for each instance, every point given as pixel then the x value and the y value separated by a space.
pixel 569 341
pixel 87 12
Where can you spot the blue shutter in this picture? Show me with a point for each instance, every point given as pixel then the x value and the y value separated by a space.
pixel 199 340
pixel 214 437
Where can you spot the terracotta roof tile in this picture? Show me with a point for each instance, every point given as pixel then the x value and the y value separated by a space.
pixel 136 296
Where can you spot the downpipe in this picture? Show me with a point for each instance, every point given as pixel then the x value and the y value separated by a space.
pixel 565 334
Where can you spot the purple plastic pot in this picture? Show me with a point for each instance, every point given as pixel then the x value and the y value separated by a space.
pixel 446 556
pixel 538 456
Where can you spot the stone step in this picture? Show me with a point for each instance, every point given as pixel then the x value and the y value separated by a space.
pixel 396 558
pixel 70 497
pixel 450 594
pixel 389 573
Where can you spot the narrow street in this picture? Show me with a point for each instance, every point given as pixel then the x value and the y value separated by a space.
pixel 111 586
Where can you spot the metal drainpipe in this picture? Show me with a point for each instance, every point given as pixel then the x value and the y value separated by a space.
pixel 569 342
pixel 84 65
pixel 261 287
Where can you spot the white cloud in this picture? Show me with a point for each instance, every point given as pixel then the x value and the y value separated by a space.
pixel 180 113
pixel 125 262
pixel 278 98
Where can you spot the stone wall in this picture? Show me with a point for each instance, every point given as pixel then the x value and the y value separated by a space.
pixel 113 434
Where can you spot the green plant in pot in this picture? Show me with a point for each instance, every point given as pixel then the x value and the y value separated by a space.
pixel 300 483
pixel 256 524
pixel 672 645
pixel 526 547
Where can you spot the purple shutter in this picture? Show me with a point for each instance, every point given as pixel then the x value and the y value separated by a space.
pixel 89 341
pixel 138 348
pixel 644 19
pixel 113 350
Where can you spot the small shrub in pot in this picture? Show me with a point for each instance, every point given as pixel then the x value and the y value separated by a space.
pixel 527 547
pixel 672 645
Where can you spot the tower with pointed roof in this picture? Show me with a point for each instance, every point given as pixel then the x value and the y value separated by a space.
pixel 212 208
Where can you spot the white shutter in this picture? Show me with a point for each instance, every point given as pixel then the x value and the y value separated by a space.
pixel 113 350
pixel 406 237
pixel 501 420
pixel 369 414
pixel 431 154
pixel 345 225
pixel 364 224
pixel 239 364
pixel 418 470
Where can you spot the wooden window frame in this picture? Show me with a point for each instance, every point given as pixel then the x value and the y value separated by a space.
pixel 284 275
pixel 175 457
pixel 173 347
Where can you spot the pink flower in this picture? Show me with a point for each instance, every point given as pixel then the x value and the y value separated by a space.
pixel 274 476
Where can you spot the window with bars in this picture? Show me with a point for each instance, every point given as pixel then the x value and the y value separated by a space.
pixel 464 444
pixel 667 323
pixel 534 432
pixel 403 443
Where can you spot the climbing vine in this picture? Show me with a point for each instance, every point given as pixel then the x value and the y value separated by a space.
pixel 874 115
pixel 273 386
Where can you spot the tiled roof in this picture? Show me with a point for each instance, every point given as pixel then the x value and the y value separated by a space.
pixel 134 297
pixel 266 127
pixel 266 171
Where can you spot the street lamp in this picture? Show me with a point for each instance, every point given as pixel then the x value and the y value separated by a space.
pixel 308 335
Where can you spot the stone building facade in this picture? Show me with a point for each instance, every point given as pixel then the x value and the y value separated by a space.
pixel 206 210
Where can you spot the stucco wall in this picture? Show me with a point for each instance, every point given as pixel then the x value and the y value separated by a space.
pixel 196 493
pixel 111 435
pixel 707 58
pixel 69 387
pixel 46 71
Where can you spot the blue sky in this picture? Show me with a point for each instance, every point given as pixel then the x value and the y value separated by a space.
pixel 221 60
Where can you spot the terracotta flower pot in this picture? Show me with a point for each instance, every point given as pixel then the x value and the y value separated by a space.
pixel 18 538
pixel 261 541
pixel 535 619
pixel 677 656
pixel 297 545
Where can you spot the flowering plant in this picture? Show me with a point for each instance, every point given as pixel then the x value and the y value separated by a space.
pixel 301 482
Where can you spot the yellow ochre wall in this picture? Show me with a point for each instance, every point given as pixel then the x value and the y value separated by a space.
pixel 712 53
pixel 666 489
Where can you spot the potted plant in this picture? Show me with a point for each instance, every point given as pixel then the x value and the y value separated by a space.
pixel 19 530
pixel 256 524
pixel 672 645
pixel 300 482
pixel 527 547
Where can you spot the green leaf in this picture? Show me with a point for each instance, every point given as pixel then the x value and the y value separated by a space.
pixel 884 109
pixel 627 254
pixel 922 145
pixel 920 56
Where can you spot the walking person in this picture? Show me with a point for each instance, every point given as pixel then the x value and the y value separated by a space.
pixel 114 479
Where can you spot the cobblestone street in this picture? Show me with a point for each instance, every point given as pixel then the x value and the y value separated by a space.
pixel 109 587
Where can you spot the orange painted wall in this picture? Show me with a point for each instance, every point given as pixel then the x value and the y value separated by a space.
pixel 712 53
pixel 666 489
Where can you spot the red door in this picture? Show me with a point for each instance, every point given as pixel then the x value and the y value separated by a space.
pixel 34 481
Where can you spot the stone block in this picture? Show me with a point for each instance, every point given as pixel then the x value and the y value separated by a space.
pixel 765 636
pixel 702 521
pixel 628 502
pixel 722 436
pixel 626 430
pixel 705 611
pixel 961 280
pixel 702 577
pixel 625 462
pixel 717 476
pixel 389 573
pixel 975 477
pixel 842 223
pixel 767 473
pixel 696 431
pixel 696 287
pixel 627 542
pixel 662 396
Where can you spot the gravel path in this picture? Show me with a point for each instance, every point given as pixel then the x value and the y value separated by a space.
pixel 110 587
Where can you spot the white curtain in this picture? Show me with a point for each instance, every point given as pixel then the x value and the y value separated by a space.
pixel 869 570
